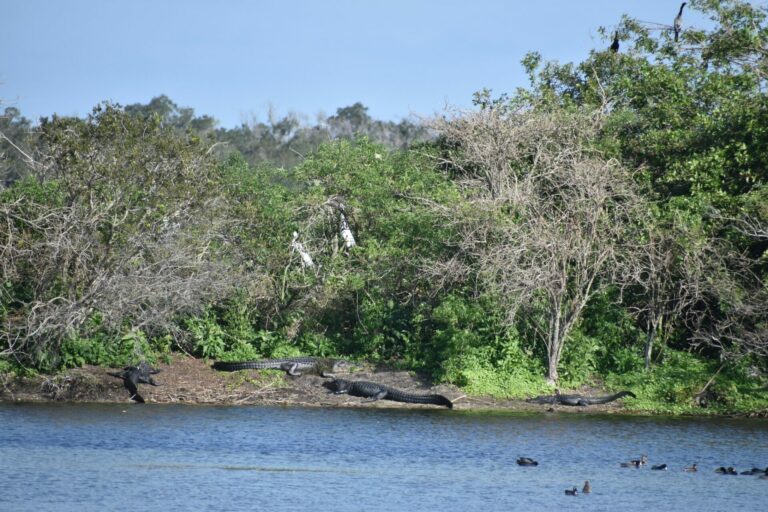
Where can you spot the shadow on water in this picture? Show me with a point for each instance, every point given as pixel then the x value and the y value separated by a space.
pixel 95 456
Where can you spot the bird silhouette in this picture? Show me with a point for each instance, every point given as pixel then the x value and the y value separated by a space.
pixel 677 25
pixel 133 376
pixel 587 488
pixel 615 43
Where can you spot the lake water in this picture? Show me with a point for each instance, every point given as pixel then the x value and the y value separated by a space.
pixel 72 457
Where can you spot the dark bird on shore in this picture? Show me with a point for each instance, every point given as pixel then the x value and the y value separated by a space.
pixel 133 376
pixel 615 43
pixel 587 488
pixel 660 467
pixel 677 25
pixel 691 469
pixel 572 492
pixel 526 461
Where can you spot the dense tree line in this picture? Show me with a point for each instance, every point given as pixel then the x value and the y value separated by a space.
pixel 608 222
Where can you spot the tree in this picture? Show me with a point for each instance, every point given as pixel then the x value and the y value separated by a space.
pixel 171 115
pixel 553 219
pixel 17 145
pixel 117 230
pixel 692 115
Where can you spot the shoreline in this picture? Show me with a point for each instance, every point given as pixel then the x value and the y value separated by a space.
pixel 191 381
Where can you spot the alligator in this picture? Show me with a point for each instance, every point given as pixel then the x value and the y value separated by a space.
pixel 289 365
pixel 134 375
pixel 581 400
pixel 374 391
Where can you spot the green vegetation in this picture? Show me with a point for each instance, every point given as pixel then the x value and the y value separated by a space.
pixel 607 225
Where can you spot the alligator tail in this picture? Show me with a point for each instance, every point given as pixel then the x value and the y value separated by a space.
pixel 421 399
pixel 611 398
pixel 237 365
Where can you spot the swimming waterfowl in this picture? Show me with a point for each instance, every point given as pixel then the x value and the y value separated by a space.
pixel 526 461
pixel 691 469
pixel 636 463
pixel 572 492
pixel 660 467
pixel 587 488
pixel 754 471
pixel 726 471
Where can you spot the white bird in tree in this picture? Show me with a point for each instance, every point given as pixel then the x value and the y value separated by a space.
pixel 306 259
pixel 346 231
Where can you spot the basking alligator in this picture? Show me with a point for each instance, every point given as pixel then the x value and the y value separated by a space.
pixel 288 365
pixel 557 398
pixel 133 376
pixel 375 391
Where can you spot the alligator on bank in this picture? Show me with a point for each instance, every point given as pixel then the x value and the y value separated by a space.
pixel 133 376
pixel 290 365
pixel 558 399
pixel 374 391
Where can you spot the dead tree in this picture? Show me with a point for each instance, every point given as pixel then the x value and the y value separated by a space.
pixel 558 215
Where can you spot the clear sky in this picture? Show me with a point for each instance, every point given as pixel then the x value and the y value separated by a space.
pixel 234 59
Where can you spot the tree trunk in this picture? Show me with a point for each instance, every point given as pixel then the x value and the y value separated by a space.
pixel 552 369
pixel 553 350
pixel 652 330
pixel 648 348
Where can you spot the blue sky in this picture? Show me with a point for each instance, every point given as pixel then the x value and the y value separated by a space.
pixel 234 59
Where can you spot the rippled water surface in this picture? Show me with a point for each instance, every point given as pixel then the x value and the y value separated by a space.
pixel 156 457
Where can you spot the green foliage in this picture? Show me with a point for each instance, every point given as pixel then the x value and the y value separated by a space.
pixel 477 377
pixel 101 350
pixel 208 336
pixel 670 386
pixel 579 360
pixel 471 347
pixel 674 385
pixel 693 117
pixel 615 340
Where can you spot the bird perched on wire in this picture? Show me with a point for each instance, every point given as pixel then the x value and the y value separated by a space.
pixel 677 25
pixel 133 376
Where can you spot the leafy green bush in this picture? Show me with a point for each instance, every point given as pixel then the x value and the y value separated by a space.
pixel 477 376
pixel 670 386
pixel 102 350
pixel 207 335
